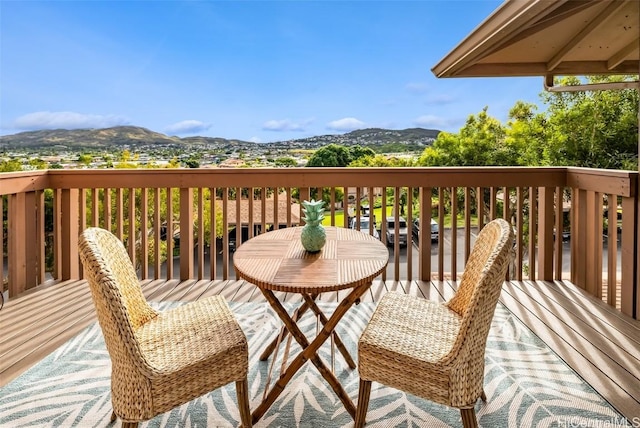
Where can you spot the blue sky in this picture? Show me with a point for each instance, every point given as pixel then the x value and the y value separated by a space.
pixel 252 70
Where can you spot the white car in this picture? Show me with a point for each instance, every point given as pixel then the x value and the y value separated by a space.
pixel 364 226
pixel 435 228
pixel 391 231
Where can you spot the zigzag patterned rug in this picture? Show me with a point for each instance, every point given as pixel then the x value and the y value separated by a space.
pixel 526 385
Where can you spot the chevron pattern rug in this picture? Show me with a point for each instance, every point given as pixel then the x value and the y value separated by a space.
pixel 526 384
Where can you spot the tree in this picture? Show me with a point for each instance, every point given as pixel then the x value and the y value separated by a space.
pixel 596 129
pixel 194 160
pixel 479 143
pixel 285 162
pixel 10 165
pixel 334 155
pixel 338 194
pixel 358 152
pixel 125 160
pixel 85 159
pixel 526 136
pixel 382 161
pixel 37 163
pixel 192 163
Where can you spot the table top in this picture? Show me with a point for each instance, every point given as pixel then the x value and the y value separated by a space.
pixel 277 261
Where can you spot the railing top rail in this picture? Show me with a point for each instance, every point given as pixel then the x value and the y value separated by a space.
pixel 617 182
pixel 312 177
pixel 610 181
pixel 23 181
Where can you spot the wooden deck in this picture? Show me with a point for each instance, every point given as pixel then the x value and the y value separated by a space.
pixel 601 344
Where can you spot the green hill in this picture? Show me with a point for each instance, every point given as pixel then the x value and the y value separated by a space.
pixel 134 137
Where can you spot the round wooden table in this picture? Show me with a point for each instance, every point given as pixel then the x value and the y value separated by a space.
pixel 277 261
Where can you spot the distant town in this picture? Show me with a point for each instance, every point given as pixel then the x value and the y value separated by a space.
pixel 129 146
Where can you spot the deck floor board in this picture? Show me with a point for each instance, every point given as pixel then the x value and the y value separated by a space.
pixel 608 371
pixel 597 341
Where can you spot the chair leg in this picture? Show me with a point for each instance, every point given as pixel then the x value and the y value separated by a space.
pixel 124 424
pixel 242 391
pixel 363 402
pixel 469 418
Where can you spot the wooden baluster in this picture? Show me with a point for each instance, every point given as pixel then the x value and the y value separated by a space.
pixel 186 234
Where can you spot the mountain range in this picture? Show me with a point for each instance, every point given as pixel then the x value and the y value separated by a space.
pixel 137 137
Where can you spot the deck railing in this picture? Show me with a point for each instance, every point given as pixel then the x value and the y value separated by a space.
pixel 568 221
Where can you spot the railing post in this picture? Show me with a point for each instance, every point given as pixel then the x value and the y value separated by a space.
pixel 25 241
pixel 17 245
pixel 578 237
pixel 559 228
pixel 635 311
pixel 533 219
pixel 39 239
pixel 629 254
pixel 31 236
pixel 304 195
pixel 441 199
pixel 186 233
pixel 69 232
pixel 545 233
pixel 593 263
pixel 424 244
pixel 82 217
pixel 133 227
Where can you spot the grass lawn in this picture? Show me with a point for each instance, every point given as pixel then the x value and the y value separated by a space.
pixel 447 220
pixel 339 218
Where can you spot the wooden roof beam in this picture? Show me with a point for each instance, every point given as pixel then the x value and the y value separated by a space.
pixel 617 58
pixel 596 22
pixel 552 18
pixel 549 86
pixel 519 15
pixel 540 69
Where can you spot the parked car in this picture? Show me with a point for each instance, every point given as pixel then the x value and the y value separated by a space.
pixel 434 230
pixel 364 226
pixel 391 231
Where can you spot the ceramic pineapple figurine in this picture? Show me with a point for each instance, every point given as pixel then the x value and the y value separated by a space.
pixel 313 235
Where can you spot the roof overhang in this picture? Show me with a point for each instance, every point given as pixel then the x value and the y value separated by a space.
pixel 550 38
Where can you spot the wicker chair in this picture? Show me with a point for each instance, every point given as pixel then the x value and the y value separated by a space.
pixel 436 350
pixel 160 360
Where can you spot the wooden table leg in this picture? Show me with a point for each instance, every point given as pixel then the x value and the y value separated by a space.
pixel 343 349
pixel 309 351
pixel 283 333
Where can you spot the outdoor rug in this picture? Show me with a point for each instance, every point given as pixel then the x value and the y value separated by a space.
pixel 525 382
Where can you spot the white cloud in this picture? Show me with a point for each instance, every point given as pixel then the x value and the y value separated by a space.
pixel 285 125
pixel 417 88
pixel 346 124
pixel 441 99
pixel 255 140
pixel 432 121
pixel 66 120
pixel 188 127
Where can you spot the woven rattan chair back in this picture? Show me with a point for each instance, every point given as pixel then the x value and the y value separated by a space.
pixel 121 307
pixel 159 360
pixel 477 295
pixel 436 350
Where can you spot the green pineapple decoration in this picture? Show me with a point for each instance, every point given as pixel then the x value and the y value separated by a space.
pixel 313 235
